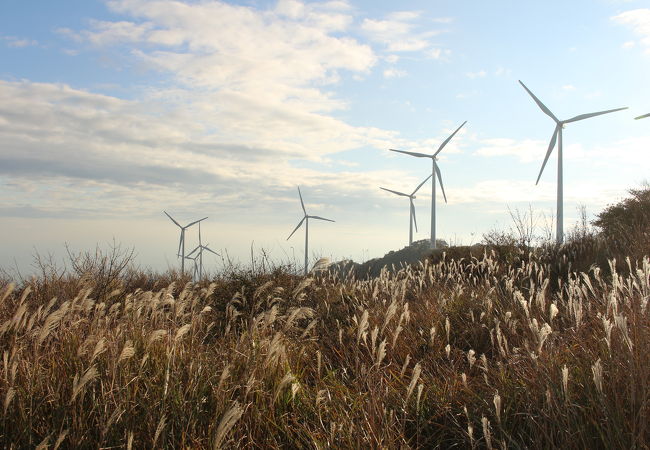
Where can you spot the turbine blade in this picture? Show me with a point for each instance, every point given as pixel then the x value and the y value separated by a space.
pixel 394 192
pixel 642 117
pixel 413 214
pixel 419 155
pixel 320 218
pixel 446 141
pixel 541 105
pixel 192 252
pixel 551 146
pixel 211 251
pixel 296 229
pixel 587 116
pixel 196 221
pixel 301 202
pixel 172 219
pixel 180 242
pixel 420 185
pixel 442 186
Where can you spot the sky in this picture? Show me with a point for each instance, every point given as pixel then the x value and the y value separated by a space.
pixel 113 111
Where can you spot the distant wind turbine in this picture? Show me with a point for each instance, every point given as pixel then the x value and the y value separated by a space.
pixel 305 219
pixel 411 197
pixel 435 171
pixel 557 137
pixel 200 248
pixel 195 268
pixel 642 117
pixel 181 242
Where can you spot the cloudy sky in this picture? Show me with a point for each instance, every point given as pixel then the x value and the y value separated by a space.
pixel 111 111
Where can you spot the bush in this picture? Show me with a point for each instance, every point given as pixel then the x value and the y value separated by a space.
pixel 626 225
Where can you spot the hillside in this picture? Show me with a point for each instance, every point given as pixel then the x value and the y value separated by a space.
pixel 392 261
pixel 504 349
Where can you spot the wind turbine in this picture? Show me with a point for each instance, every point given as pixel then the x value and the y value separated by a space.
pixel 181 242
pixel 305 219
pixel 200 248
pixel 411 197
pixel 435 171
pixel 195 267
pixel 557 137
pixel 642 117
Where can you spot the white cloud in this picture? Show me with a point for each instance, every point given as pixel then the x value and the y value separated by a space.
pixel 504 192
pixel 398 33
pixel 480 74
pixel 404 15
pixel 220 45
pixel 527 150
pixel 253 73
pixel 117 157
pixel 107 33
pixel 394 73
pixel 438 53
pixel 638 20
pixel 568 87
pixel 16 42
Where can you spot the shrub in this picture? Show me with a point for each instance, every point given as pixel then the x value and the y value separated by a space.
pixel 626 225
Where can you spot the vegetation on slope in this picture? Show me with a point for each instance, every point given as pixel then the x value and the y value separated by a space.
pixel 483 351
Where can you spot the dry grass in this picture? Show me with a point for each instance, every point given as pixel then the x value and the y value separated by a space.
pixel 471 353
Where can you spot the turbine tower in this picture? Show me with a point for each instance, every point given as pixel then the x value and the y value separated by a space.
pixel 181 242
pixel 642 117
pixel 557 137
pixel 200 248
pixel 194 267
pixel 435 172
pixel 411 197
pixel 305 219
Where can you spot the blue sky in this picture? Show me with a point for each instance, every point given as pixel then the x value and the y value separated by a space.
pixel 111 111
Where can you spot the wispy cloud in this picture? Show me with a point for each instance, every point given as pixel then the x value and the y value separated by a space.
pixel 479 74
pixel 394 73
pixel 246 94
pixel 17 42
pixel 527 150
pixel 398 32
pixel 638 20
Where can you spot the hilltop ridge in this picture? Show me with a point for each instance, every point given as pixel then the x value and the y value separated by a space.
pixel 393 260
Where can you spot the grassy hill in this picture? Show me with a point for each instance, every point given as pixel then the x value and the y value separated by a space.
pixel 497 347
pixel 392 261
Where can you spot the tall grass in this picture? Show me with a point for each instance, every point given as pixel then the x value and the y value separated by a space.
pixel 466 353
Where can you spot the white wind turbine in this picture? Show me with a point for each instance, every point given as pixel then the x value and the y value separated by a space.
pixel 642 117
pixel 305 219
pixel 200 248
pixel 195 267
pixel 181 242
pixel 435 172
pixel 557 137
pixel 411 197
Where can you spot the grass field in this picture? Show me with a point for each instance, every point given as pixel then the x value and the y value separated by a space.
pixel 471 353
pixel 510 346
